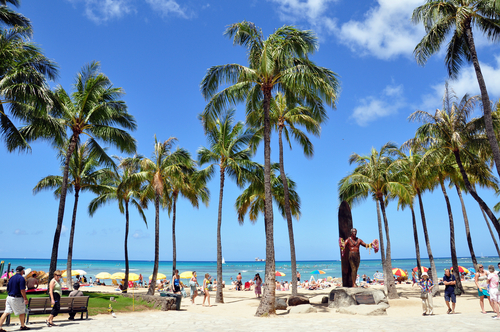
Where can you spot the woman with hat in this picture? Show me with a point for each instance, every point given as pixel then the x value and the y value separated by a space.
pixel 426 286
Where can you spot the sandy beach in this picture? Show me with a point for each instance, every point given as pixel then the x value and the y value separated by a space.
pixel 237 313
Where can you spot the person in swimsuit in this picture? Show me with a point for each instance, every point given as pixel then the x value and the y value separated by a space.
pixel 176 282
pixel 481 280
pixel 193 284
pixel 352 245
pixel 206 283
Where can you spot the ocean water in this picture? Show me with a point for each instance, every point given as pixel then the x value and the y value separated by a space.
pixel 231 269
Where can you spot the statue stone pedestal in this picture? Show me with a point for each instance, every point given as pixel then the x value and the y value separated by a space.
pixel 358 301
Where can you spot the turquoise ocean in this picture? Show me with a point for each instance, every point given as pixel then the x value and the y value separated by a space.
pixel 231 269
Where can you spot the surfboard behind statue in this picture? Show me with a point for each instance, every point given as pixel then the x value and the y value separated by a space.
pixel 345 226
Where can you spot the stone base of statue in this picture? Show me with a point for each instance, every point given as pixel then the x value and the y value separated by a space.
pixel 358 301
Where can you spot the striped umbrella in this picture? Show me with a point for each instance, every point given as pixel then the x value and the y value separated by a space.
pixel 280 274
pixel 318 272
pixel 461 269
pixel 422 268
pixel 399 272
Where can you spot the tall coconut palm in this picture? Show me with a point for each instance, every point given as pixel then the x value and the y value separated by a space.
pixel 191 184
pixel 165 163
pixel 11 18
pixel 229 149
pixel 24 71
pixel 450 129
pixel 93 109
pixel 278 63
pixel 117 186
pixel 252 200
pixel 456 18
pixel 288 118
pixel 84 175
pixel 376 175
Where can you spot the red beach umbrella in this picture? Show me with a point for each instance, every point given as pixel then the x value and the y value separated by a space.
pixel 423 269
pixel 399 272
pixel 280 274
pixel 461 269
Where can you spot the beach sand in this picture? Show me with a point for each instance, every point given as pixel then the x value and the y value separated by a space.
pixel 237 314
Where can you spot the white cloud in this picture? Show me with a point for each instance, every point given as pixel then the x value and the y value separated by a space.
pixel 101 11
pixel 387 103
pixel 167 7
pixel 64 230
pixel 138 234
pixel 20 232
pixel 311 11
pixel 386 31
pixel 467 83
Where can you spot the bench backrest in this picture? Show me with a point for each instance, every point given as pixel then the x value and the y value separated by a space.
pixel 39 303
pixel 2 305
pixel 80 302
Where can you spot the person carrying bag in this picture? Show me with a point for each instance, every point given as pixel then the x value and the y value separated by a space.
pixel 426 286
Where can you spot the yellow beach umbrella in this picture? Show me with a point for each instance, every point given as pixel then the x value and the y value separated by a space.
pixel 118 275
pixel 103 275
pixel 73 273
pixel 133 277
pixel 399 272
pixel 186 275
pixel 159 276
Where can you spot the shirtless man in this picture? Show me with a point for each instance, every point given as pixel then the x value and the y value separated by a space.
pixel 352 245
pixel 238 281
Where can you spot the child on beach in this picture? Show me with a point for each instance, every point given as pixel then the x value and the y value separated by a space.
pixel 258 284
pixel 206 284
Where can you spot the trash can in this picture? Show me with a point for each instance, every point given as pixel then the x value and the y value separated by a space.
pixel 178 298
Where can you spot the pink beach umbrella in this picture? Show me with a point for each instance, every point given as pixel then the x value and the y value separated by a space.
pixel 10 274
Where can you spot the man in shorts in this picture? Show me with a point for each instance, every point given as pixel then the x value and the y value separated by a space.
pixel 449 281
pixel 16 300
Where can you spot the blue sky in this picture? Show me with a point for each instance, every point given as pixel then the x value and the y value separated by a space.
pixel 159 51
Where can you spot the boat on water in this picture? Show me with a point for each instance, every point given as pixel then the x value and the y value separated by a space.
pixel 257 259
pixel 223 260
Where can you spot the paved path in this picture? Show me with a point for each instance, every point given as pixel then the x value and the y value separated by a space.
pixel 328 321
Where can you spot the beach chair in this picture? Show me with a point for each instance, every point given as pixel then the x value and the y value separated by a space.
pixel 115 283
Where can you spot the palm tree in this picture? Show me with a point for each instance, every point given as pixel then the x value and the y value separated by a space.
pixel 252 200
pixel 375 175
pixel 83 176
pixel 229 149
pixel 450 129
pixel 11 18
pixel 93 109
pixel 155 172
pixel 456 18
pixel 23 80
pixel 191 185
pixel 278 63
pixel 118 186
pixel 287 118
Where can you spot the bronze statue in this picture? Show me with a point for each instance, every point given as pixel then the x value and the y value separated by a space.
pixel 352 246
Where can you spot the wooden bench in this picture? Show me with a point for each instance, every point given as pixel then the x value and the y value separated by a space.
pixel 69 305
pixel 2 310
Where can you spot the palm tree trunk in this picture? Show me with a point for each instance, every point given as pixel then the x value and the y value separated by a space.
pixel 417 246
pixel 488 120
pixel 491 231
pixel 453 250
pixel 474 194
pixel 69 279
pixel 288 213
pixel 389 280
pixel 467 228
pixel 126 247
pixel 62 204
pixel 219 297
pixel 267 303
pixel 380 234
pixel 152 286
pixel 434 276
pixel 174 246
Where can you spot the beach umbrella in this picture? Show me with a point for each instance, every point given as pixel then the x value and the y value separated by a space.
pixel 422 268
pixel 159 276
pixel 399 272
pixel 461 269
pixel 118 275
pixel 80 272
pixel 10 274
pixel 73 273
pixel 280 274
pixel 318 272
pixel 133 277
pixel 186 275
pixel 103 275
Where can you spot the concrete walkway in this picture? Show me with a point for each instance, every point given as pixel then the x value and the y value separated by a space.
pixel 329 321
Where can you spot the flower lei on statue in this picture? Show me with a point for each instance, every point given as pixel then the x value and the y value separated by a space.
pixel 374 245
pixel 342 246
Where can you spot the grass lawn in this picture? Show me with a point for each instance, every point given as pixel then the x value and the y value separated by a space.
pixel 99 303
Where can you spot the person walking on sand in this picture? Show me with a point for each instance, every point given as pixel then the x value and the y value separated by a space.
pixel 481 280
pixel 493 290
pixel 258 285
pixel 16 300
pixel 55 292
pixel 413 278
pixel 193 284
pixel 206 283
pixel 449 281
pixel 426 286
pixel 141 280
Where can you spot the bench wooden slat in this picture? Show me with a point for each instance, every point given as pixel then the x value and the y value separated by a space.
pixel 42 306
pixel 2 310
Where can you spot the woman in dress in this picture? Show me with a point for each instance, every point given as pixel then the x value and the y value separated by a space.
pixel 481 280
pixel 55 292
pixel 493 290
pixel 258 285
pixel 206 284
pixel 193 284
